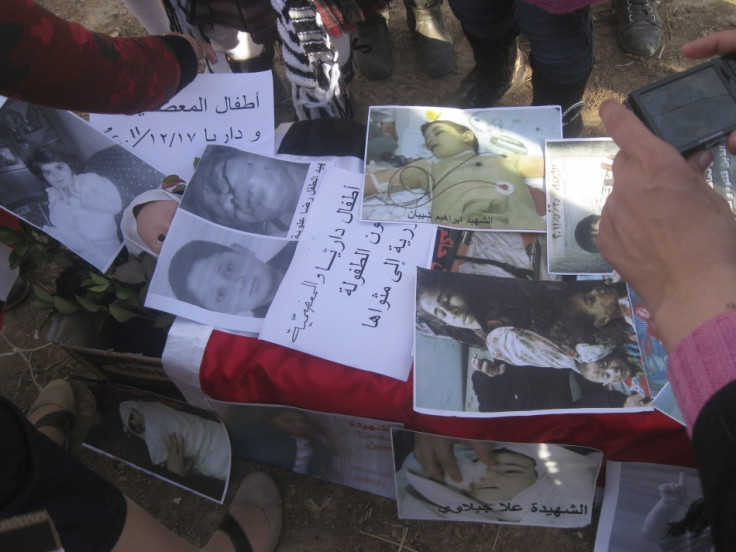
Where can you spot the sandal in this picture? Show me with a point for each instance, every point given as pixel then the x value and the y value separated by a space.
pixel 260 491
pixel 60 394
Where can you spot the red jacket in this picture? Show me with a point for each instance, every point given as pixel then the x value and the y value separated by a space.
pixel 53 62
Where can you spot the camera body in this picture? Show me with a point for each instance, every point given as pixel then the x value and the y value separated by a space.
pixel 692 110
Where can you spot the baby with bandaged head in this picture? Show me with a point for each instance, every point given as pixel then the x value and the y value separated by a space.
pixel 530 484
pixel 146 221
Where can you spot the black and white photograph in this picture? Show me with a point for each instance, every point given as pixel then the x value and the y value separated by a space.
pixel 348 450
pixel 171 440
pixel 506 345
pixel 218 276
pixel 66 178
pixel 578 178
pixel 245 191
pixel 500 482
pixel 473 169
pixel 652 507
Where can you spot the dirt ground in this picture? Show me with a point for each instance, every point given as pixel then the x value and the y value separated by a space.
pixel 320 516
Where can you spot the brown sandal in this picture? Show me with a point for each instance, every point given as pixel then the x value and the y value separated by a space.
pixel 60 394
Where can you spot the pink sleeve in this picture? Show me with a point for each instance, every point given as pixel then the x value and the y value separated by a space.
pixel 703 363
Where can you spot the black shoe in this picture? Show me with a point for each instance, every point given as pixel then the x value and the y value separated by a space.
pixel 374 56
pixel 433 44
pixel 639 27
pixel 482 88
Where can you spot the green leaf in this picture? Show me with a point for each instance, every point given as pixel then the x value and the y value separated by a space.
pixel 15 258
pixel 42 294
pixel 100 288
pixel 125 294
pixel 171 181
pixel 98 279
pixel 120 313
pixel 88 305
pixel 41 305
pixel 62 259
pixel 64 306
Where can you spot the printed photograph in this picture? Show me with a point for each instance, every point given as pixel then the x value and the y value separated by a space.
pixel 217 276
pixel 458 168
pixel 652 507
pixel 502 254
pixel 351 451
pixel 64 177
pixel 509 483
pixel 503 345
pixel 579 178
pixel 245 191
pixel 186 446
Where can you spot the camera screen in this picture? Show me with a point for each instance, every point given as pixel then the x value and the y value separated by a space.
pixel 690 108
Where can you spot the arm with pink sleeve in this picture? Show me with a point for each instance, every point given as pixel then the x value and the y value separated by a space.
pixel 702 371
pixel 702 364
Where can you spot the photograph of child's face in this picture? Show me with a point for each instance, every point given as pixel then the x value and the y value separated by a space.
pixel 449 306
pixel 57 174
pixel 609 370
pixel 293 422
pixel 237 281
pixel 600 303
pixel 507 477
pixel 253 190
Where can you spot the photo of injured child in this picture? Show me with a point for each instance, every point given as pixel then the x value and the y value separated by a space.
pixel 463 178
pixel 513 483
pixel 245 191
pixel 503 345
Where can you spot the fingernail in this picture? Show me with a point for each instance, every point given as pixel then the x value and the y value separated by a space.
pixel 705 159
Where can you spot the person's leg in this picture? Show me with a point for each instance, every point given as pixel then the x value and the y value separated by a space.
pixel 561 59
pixel 639 26
pixel 91 514
pixel 491 30
pixel 433 44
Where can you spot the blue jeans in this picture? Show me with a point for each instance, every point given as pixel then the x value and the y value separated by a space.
pixel 561 44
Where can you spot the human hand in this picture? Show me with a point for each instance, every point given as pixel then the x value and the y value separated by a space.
pixel 487 366
pixel 204 51
pixel 436 455
pixel 674 493
pixel 671 236
pixel 176 460
pixel 636 400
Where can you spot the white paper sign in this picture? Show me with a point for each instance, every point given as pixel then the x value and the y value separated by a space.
pixel 348 295
pixel 223 108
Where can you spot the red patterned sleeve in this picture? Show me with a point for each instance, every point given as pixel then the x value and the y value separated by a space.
pixel 53 62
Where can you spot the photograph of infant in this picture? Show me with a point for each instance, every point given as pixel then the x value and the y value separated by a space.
pixel 459 168
pixel 217 276
pixel 174 441
pixel 496 482
pixel 245 191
